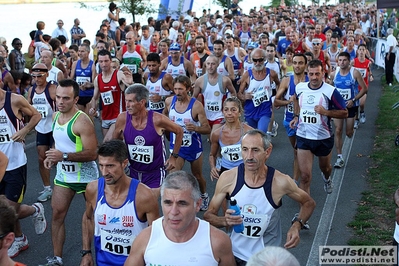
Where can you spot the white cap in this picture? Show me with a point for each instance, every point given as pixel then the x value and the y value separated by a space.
pixel 229 32
pixel 219 21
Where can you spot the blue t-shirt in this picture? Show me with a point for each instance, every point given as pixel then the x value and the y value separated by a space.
pixel 282 46
pixel 37 35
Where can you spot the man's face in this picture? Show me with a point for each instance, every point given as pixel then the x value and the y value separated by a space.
pixel 153 67
pixel 316 44
pixel 164 34
pixel 60 24
pixel 145 33
pixel 65 99
pixel 105 62
pixel 73 53
pixel 318 29
pixel 315 75
pixel 104 30
pixel 361 51
pixel 211 65
pixel 350 42
pixel 111 169
pixel 46 57
pixel 180 91
pixel 258 60
pixel 200 45
pixel 218 50
pixel 155 37
pixel 132 105
pixel 179 209
pixel 311 34
pixel 299 65
pixel 101 46
pixel 270 53
pixel 40 77
pixel 343 62
pixel 253 154
pixel 293 37
pixel 83 53
pixel 229 43
pixel 175 55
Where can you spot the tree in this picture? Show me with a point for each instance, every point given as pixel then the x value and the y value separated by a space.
pixel 288 3
pixel 137 7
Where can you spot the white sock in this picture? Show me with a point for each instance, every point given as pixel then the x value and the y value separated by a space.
pixel 47 187
pixel 19 238
pixel 340 156
pixel 58 258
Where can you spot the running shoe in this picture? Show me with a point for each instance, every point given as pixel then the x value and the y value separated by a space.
pixel 328 186
pixel 362 118
pixel 305 225
pixel 205 202
pixel 18 246
pixel 274 129
pixel 339 163
pixel 356 125
pixel 39 220
pixel 45 195
pixel 52 261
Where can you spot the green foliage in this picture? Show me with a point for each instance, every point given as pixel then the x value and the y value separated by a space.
pixel 288 3
pixel 136 7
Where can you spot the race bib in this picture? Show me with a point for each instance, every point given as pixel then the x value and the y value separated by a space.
pixel 236 74
pixel 260 97
pixel 42 109
pixel 310 117
pixel 70 167
pixel 199 72
pixel 362 71
pixel 132 68
pixel 5 134
pixel 232 153
pixel 213 106
pixel 345 93
pixel 107 97
pixel 255 225
pixel 141 154
pixel 290 107
pixel 82 80
pixel 115 243
pixel 157 106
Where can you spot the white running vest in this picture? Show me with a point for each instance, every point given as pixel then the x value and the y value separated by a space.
pixel 195 252
pixel 41 104
pixel 213 96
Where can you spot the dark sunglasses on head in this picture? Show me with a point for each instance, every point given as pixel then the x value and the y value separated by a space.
pixel 258 60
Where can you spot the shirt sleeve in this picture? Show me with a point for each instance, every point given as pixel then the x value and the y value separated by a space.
pixel 337 102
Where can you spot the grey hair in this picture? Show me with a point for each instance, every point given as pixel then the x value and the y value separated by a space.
pixel 182 180
pixel 253 132
pixel 273 256
pixel 140 90
pixel 263 52
pixel 390 31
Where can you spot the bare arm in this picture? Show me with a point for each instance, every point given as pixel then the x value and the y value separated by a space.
pixel 221 247
pixel 242 95
pixel 229 67
pixel 139 246
pixel 88 222
pixel 119 126
pixel 20 105
pixel 199 114
pixel 279 100
pixel 190 69
pixel 198 87
pixel 11 59
pixel 213 153
pixel 147 204
pixel 73 69
pixel 3 165
pixel 61 67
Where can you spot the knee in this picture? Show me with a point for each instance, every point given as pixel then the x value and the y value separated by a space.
pixel 338 131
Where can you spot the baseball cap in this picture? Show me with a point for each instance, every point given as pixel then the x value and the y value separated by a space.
pixel 252 45
pixel 358 31
pixel 229 32
pixel 175 47
pixel 219 21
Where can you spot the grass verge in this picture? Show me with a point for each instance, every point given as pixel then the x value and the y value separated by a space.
pixel 374 222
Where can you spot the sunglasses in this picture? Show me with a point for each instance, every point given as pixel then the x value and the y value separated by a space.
pixel 4 235
pixel 38 75
pixel 258 60
pixel 18 43
pixel 316 43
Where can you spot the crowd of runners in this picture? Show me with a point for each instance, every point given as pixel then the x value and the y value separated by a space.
pixel 202 79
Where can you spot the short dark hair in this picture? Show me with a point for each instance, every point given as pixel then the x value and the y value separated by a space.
pixel 346 54
pixel 62 39
pixel 154 57
pixel 141 92
pixel 201 37
pixel 218 42
pixel 8 217
pixel 104 53
pixel 315 63
pixel 121 21
pixel 70 83
pixel 114 148
pixel 301 55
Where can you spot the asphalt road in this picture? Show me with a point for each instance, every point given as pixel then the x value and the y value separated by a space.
pixel 328 224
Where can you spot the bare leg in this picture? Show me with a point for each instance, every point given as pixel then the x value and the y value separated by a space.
pixel 305 161
pixel 44 172
pixel 196 170
pixel 60 203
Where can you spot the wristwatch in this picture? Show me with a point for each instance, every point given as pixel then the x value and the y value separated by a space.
pixel 296 219
pixel 85 252
pixel 65 156
pixel 354 100
pixel 174 155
